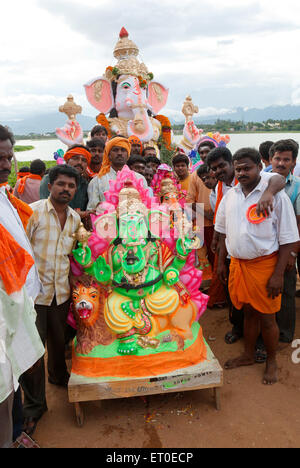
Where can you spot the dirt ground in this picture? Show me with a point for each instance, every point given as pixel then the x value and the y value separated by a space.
pixel 252 415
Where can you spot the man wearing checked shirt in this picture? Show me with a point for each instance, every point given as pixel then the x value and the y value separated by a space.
pixel 50 231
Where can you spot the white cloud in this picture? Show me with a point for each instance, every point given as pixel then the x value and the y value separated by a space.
pixel 223 54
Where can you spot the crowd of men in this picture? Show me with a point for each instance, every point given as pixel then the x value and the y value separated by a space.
pixel 254 264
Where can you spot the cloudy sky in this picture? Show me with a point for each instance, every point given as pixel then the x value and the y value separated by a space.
pixel 224 54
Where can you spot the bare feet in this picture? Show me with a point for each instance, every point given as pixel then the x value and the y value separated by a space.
pixel 239 362
pixel 270 375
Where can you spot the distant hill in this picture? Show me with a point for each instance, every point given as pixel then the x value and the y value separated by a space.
pixel 46 123
pixel 256 115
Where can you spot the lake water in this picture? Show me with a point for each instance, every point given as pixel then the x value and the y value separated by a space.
pixel 44 149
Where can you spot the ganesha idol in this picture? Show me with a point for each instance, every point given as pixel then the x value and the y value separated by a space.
pixel 130 97
pixel 145 299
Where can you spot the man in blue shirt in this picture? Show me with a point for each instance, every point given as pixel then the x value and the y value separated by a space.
pixel 283 156
pixel 264 149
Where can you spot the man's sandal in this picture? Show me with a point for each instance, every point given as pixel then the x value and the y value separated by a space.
pixel 232 337
pixel 260 355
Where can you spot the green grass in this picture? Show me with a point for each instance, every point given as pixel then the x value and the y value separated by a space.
pixel 19 148
pixel 13 178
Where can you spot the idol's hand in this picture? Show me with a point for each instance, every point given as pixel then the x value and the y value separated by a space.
pixel 171 276
pixel 192 244
pixel 82 256
pixel 100 270
pixel 184 247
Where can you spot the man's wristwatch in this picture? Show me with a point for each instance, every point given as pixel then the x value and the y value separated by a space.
pixel 294 254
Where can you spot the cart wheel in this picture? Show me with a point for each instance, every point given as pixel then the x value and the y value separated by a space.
pixel 79 415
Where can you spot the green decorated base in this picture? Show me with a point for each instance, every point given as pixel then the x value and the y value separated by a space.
pixel 111 350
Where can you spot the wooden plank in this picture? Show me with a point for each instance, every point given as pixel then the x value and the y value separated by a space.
pixel 207 374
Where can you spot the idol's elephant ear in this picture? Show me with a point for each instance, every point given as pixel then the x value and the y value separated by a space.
pixel 157 96
pixel 159 223
pixel 99 94
pixel 107 226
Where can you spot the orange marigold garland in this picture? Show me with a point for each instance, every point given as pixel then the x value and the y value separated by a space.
pixel 102 120
pixel 166 129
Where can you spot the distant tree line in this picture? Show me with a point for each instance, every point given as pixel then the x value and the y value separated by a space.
pixel 222 126
pixel 229 126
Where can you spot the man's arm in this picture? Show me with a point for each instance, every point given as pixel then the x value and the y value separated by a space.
pixel 275 283
pixel 93 194
pixel 293 255
pixel 222 255
pixel 191 196
pixel 288 237
pixel 44 192
pixel 215 242
pixel 265 204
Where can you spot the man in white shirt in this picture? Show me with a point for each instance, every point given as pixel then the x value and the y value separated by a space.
pixel 20 344
pixel 116 155
pixel 50 231
pixel 259 255
pixel 220 162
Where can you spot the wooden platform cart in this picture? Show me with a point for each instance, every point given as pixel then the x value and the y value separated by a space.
pixel 208 374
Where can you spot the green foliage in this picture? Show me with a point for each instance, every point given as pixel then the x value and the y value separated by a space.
pixel 166 154
pixel 13 177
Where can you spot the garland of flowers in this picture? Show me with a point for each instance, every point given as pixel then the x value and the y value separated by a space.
pixel 112 73
pixel 166 129
pixel 102 120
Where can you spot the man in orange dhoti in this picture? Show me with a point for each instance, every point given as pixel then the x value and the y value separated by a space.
pixel 259 250
pixel 220 162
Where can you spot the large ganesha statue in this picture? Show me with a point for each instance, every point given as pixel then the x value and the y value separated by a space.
pixel 130 97
pixel 150 291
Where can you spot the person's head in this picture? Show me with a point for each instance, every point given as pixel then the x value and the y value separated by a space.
pixel 22 172
pixel 180 164
pixel 115 156
pixel 96 148
pixel 149 151
pixel 220 162
pixel 207 176
pixel 7 142
pixel 137 163
pixel 37 167
pixel 24 169
pixel 283 156
pixel 153 162
pixel 63 183
pixel 204 148
pixel 264 151
pixel 98 131
pixel 136 145
pixel 149 174
pixel 247 166
pixel 78 156
pixel 118 155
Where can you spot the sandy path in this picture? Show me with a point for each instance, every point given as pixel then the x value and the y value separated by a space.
pixel 252 415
